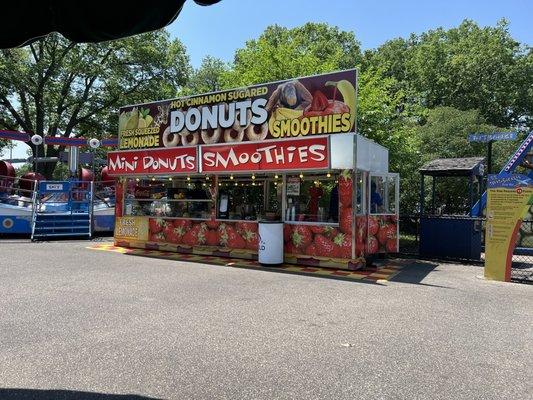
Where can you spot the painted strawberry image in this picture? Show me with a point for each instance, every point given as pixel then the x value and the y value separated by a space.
pixel 344 242
pixel 157 237
pixel 329 231
pixel 287 232
pixel 311 250
pixel 195 236
pixel 391 246
pixel 373 226
pixel 301 236
pixel 156 225
pixel 325 247
pixel 229 237
pixel 289 248
pixel 372 245
pixel 345 188
pixel 346 219
pixel 212 224
pixel 183 223
pixel 386 232
pixel 242 227
pixel 212 237
pixel 251 239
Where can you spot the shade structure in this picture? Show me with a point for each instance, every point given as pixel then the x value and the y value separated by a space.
pixel 24 21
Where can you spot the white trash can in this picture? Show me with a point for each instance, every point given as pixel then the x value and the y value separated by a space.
pixel 270 250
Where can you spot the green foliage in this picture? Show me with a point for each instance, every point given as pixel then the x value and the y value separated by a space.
pixel 58 88
pixel 207 78
pixel 468 67
pixel 282 53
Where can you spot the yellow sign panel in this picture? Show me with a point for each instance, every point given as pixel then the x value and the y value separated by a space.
pixel 131 228
pixel 508 200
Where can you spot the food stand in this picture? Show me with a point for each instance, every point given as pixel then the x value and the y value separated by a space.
pixel 197 174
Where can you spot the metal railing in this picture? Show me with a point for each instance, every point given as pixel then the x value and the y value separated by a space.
pixel 522 261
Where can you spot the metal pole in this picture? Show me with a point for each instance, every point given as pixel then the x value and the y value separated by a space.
pixel 489 157
pixel 421 194
pixel 433 195
pixel 471 192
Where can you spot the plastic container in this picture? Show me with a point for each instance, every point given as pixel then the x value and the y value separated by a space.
pixel 270 250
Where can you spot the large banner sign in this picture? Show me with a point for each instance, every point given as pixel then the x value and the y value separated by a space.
pixel 152 162
pixel 272 155
pixel 509 199
pixel 314 105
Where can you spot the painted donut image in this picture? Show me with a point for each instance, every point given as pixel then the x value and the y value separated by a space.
pixel 170 139
pixel 233 135
pixel 257 132
pixel 210 136
pixel 189 138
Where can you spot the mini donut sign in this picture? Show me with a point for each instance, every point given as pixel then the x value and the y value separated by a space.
pixel 301 107
pixel 153 161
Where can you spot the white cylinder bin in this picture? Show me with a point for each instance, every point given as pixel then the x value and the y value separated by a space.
pixel 270 250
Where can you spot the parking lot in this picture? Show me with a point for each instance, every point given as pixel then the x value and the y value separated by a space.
pixel 78 323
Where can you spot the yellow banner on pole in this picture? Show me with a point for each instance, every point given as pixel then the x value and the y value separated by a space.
pixel 509 199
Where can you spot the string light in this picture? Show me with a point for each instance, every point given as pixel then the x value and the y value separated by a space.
pixel 253 183
pixel 137 179
pixel 275 183
pixel 188 178
pixel 328 175
pixel 276 176
pixel 231 177
pixel 207 177
pixel 253 176
pixel 169 178
pixel 153 178
pixel 236 183
pixel 301 175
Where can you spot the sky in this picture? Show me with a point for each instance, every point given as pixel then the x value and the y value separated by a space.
pixel 220 29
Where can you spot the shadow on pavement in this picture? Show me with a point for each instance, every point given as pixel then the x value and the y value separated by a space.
pixel 415 273
pixel 41 394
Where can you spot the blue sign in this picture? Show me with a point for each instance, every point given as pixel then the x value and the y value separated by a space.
pixel 508 181
pixel 488 137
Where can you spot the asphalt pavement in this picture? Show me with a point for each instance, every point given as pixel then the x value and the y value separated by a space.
pixel 84 324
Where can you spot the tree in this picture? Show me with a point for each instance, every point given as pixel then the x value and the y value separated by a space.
pixel 467 67
pixel 207 78
pixel 54 87
pixel 445 135
pixel 282 53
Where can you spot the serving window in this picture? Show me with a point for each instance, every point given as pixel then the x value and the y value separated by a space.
pixel 251 197
pixel 312 198
pixel 169 197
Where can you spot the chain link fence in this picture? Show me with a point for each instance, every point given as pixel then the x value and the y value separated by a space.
pixel 522 261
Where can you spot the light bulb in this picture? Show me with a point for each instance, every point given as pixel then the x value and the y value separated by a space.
pixel 328 175
pixel 188 178
pixel 301 176
pixel 236 184
pixel 276 176
pixel 253 176
pixel 153 178
pixel 207 177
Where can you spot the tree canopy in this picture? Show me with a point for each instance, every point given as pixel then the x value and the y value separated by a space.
pixel 55 87
pixel 419 96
